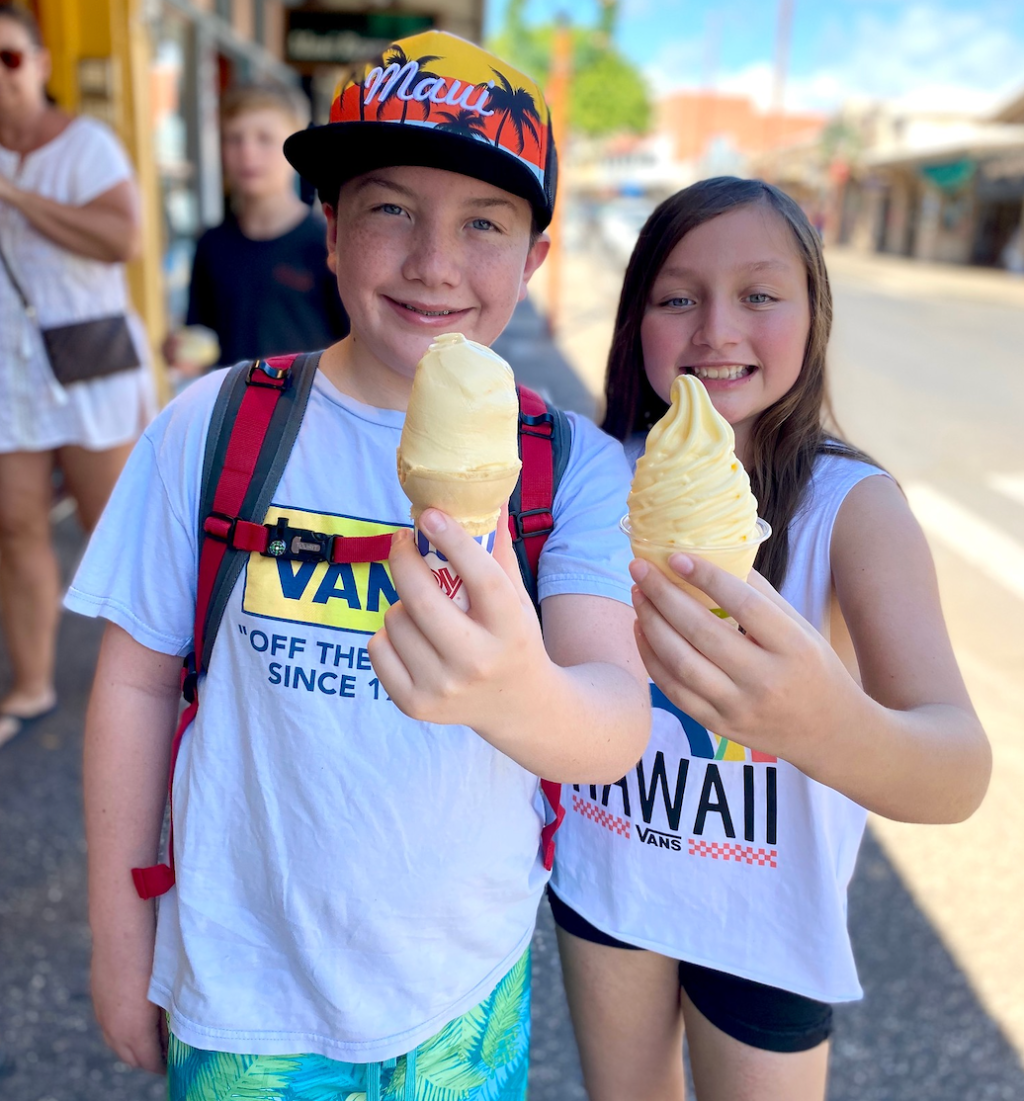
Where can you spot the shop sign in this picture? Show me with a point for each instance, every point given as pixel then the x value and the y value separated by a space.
pixel 344 38
pixel 949 177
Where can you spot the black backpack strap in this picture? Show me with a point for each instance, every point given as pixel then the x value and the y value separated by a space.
pixel 277 446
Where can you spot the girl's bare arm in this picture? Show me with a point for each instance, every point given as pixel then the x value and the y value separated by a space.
pixel 932 759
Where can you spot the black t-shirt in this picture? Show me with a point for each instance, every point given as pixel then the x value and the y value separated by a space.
pixel 265 298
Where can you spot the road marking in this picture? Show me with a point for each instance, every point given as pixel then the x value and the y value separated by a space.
pixel 1010 485
pixel 975 540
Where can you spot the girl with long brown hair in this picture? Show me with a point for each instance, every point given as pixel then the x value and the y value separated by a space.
pixel 705 892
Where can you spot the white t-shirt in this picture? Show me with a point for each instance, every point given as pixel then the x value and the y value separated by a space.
pixel 77 166
pixel 717 855
pixel 349 880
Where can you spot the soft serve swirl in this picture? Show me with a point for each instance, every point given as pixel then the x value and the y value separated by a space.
pixel 463 410
pixel 460 444
pixel 689 488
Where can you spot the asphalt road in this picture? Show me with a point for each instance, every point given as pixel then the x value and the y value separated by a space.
pixel 928 377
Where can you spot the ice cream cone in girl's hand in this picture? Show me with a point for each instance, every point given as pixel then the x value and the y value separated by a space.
pixel 690 493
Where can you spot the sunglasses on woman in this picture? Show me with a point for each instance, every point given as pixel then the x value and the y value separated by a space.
pixel 12 59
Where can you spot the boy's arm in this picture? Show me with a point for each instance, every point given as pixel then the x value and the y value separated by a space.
pixel 128 731
pixel 576 711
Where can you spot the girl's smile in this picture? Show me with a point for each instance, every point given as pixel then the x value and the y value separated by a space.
pixel 719 375
pixel 730 306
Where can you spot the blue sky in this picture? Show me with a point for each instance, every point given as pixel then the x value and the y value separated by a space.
pixel 937 52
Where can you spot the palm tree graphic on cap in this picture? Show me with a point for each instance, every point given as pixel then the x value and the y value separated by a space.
pixel 463 122
pixel 516 106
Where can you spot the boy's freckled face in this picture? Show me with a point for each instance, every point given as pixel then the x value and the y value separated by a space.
pixel 422 251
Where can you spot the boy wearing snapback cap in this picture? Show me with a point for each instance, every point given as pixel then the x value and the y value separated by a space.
pixel 357 820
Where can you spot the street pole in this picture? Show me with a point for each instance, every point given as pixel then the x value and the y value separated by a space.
pixel 782 35
pixel 558 98
pixel 706 100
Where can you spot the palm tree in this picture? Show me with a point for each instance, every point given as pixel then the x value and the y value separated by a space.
pixel 395 55
pixel 518 107
pixel 463 122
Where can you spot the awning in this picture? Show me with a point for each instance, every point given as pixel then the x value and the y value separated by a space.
pixel 951 176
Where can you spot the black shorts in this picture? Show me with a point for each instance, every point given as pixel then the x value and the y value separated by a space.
pixel 762 1016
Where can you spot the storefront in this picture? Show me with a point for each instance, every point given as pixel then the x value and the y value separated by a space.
pixel 999 194
pixel 325 45
pixel 196 55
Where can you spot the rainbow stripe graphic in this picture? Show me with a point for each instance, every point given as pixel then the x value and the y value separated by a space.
pixel 703 743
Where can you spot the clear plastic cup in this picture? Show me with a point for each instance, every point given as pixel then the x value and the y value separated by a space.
pixel 449 582
pixel 738 559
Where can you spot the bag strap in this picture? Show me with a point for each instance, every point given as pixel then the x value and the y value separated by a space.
pixel 544 441
pixel 18 289
pixel 255 422
pixel 247 415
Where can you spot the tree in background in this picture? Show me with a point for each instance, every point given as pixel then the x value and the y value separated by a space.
pixel 607 93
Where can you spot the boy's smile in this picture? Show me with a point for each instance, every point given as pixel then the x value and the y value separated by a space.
pixel 419 252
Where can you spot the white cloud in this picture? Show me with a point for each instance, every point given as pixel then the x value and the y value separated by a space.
pixel 924 56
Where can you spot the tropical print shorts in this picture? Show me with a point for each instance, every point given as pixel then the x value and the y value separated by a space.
pixel 481 1056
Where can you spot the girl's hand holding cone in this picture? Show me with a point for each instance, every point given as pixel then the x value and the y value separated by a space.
pixel 776 686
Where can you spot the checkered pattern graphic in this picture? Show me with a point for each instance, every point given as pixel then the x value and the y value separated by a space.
pixel 742 854
pixel 599 815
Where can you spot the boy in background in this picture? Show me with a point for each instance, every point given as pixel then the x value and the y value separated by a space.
pixel 260 280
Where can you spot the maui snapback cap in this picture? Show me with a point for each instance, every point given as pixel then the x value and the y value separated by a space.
pixel 438 101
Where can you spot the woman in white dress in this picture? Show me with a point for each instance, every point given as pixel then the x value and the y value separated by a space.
pixel 69 220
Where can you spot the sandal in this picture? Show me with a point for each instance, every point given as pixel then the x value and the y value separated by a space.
pixel 20 725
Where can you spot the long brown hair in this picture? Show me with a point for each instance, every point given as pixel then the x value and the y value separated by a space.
pixel 788 435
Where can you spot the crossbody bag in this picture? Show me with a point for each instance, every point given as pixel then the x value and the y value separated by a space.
pixel 83 350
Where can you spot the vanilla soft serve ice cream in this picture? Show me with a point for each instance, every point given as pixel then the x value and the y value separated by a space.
pixel 690 492
pixel 459 450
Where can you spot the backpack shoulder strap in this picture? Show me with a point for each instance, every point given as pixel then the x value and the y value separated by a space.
pixel 545 437
pixel 544 441
pixel 255 420
pixel 252 433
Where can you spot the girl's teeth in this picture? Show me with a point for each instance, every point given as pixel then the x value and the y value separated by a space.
pixel 720 372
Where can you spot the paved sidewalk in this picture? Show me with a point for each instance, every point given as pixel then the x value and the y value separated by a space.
pixel 920 278
pixel 540 364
